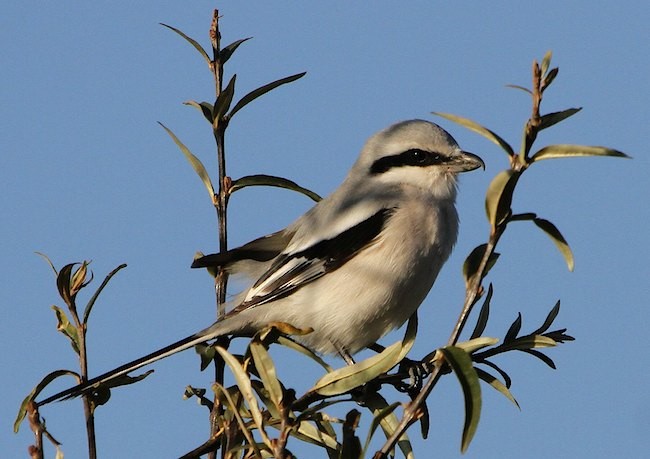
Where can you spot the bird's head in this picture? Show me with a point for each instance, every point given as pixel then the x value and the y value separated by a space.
pixel 415 153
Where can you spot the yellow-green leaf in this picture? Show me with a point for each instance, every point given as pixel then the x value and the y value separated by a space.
pixel 475 344
pixel 550 119
pixel 474 126
pixel 266 370
pixel 191 41
pixel 352 376
pixel 37 390
pixel 270 180
pixel 254 94
pixel 496 384
pixel 244 384
pixel 224 100
pixel 568 151
pixel 388 421
pixel 461 363
pixel 64 326
pixel 228 51
pixel 194 161
pixel 498 198
pixel 551 230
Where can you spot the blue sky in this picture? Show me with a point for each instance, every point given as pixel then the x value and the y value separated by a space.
pixel 87 173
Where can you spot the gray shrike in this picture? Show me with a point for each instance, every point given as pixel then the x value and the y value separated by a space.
pixel 355 266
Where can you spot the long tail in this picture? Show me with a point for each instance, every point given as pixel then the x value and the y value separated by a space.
pixel 186 343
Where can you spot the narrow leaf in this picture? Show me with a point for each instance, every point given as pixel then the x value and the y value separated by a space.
pixel 64 326
pixel 532 341
pixel 93 299
pixel 194 161
pixel 549 319
pixel 543 357
pixel 224 100
pixel 244 384
pixel 192 42
pixel 389 423
pixel 254 94
pixel 475 344
pixel 548 79
pixel 461 363
pixel 568 151
pixel 514 329
pixel 266 370
pixel 496 384
pixel 270 180
pixel 291 344
pixel 308 432
pixel 380 415
pixel 506 378
pixel 521 88
pixel 474 126
pixel 205 108
pixel 550 119
pixel 63 283
pixel 352 376
pixel 37 390
pixel 551 230
pixel 498 198
pixel 49 262
pixel 483 315
pixel 227 52
pixel 546 61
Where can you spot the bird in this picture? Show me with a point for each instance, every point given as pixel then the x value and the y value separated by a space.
pixel 356 265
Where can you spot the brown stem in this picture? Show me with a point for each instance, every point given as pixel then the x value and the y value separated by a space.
pixel 221 203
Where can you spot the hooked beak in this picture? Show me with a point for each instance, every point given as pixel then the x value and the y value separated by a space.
pixel 465 162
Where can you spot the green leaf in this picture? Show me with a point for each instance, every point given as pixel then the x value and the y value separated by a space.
pixel 64 326
pixel 514 329
pixel 270 180
pixel 473 262
pixel 568 151
pixel 291 344
pixel 194 161
pixel 475 344
pixel 205 108
pixel 63 283
pixel 192 42
pixel 544 358
pixel 49 262
pixel 546 61
pixel 474 126
pixel 549 319
pixel 244 384
pixel 532 341
pixel 548 79
pixel 254 94
pixel 483 315
pixel 550 119
pixel 557 238
pixel 93 299
pixel 22 411
pixel 496 384
pixel 224 100
pixel 227 52
pixel 498 198
pixel 506 378
pixel 379 416
pixel 349 377
pixel 521 88
pixel 388 421
pixel 266 370
pixel 461 363
pixel 308 432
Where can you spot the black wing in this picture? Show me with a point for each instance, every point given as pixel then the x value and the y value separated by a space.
pixel 291 271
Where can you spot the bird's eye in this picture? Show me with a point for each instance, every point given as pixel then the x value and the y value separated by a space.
pixel 418 156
